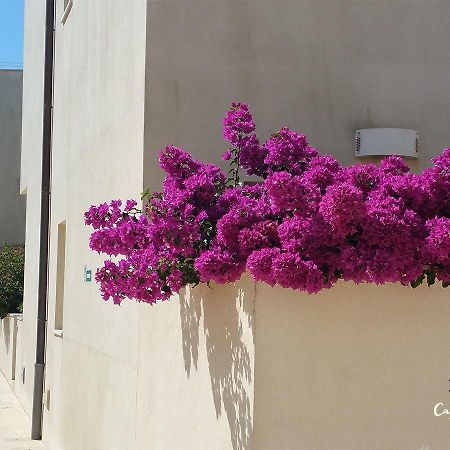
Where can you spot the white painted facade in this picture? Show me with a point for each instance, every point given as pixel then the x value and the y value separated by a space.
pixel 241 366
pixel 12 204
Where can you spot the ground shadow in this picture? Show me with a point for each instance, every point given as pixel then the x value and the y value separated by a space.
pixel 226 311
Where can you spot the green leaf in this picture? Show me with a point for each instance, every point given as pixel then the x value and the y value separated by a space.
pixel 418 282
pixel 12 260
pixel 431 278
pixel 146 194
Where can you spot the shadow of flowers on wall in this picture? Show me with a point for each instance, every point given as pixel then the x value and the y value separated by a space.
pixel 228 328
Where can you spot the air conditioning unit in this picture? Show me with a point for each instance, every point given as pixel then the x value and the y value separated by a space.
pixel 387 141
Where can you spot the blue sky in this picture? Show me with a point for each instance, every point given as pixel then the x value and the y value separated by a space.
pixel 11 34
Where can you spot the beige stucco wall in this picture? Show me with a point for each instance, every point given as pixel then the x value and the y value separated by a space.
pixel 242 366
pixel 30 184
pixel 195 384
pixel 354 367
pixel 326 68
pixel 249 366
pixel 97 155
pixel 12 205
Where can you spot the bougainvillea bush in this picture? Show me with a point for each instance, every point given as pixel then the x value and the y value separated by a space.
pixel 308 223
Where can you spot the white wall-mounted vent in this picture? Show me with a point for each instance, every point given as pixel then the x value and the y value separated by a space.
pixel 387 141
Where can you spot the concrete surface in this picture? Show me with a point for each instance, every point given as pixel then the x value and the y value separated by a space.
pixel 14 423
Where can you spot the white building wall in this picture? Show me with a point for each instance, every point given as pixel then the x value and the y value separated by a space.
pixel 326 68
pixel 12 205
pixel 97 155
pixel 135 75
pixel 30 184
pixel 354 367
pixel 247 366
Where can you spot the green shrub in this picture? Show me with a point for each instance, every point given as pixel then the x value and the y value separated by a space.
pixel 12 260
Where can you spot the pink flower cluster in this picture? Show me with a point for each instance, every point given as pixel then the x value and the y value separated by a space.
pixel 308 223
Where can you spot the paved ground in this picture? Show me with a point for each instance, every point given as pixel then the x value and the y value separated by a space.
pixel 14 423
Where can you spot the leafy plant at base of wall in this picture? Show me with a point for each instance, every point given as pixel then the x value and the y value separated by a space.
pixel 307 223
pixel 12 260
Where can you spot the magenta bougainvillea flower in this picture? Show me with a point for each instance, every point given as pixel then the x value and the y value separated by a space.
pixel 307 223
